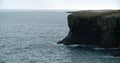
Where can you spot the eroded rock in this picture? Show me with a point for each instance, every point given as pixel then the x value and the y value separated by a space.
pixel 94 27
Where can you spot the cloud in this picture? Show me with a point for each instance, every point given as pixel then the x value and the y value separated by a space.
pixel 59 4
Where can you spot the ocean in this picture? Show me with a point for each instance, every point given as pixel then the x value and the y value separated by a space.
pixel 32 36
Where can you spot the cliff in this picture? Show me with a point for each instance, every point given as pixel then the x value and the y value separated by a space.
pixel 94 27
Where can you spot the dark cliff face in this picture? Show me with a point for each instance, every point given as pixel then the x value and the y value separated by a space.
pixel 94 27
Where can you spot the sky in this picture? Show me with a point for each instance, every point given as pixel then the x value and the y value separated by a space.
pixel 60 4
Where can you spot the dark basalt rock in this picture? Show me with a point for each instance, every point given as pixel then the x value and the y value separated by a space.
pixel 94 27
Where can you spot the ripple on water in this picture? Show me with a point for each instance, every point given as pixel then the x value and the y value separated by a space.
pixel 31 38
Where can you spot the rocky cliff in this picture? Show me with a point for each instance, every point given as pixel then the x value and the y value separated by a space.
pixel 94 27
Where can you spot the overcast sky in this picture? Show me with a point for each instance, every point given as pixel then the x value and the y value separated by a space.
pixel 60 4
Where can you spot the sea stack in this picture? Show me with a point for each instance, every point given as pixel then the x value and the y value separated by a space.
pixel 94 27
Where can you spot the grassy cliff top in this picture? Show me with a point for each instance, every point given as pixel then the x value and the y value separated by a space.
pixel 97 13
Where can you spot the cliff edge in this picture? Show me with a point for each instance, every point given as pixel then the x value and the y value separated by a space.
pixel 94 27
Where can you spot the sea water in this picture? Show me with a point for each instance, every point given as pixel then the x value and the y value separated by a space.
pixel 32 36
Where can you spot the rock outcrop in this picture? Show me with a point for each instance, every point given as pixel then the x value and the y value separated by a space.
pixel 94 27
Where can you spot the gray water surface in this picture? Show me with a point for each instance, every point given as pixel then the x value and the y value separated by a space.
pixel 31 37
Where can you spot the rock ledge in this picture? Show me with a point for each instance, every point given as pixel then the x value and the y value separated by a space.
pixel 94 27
